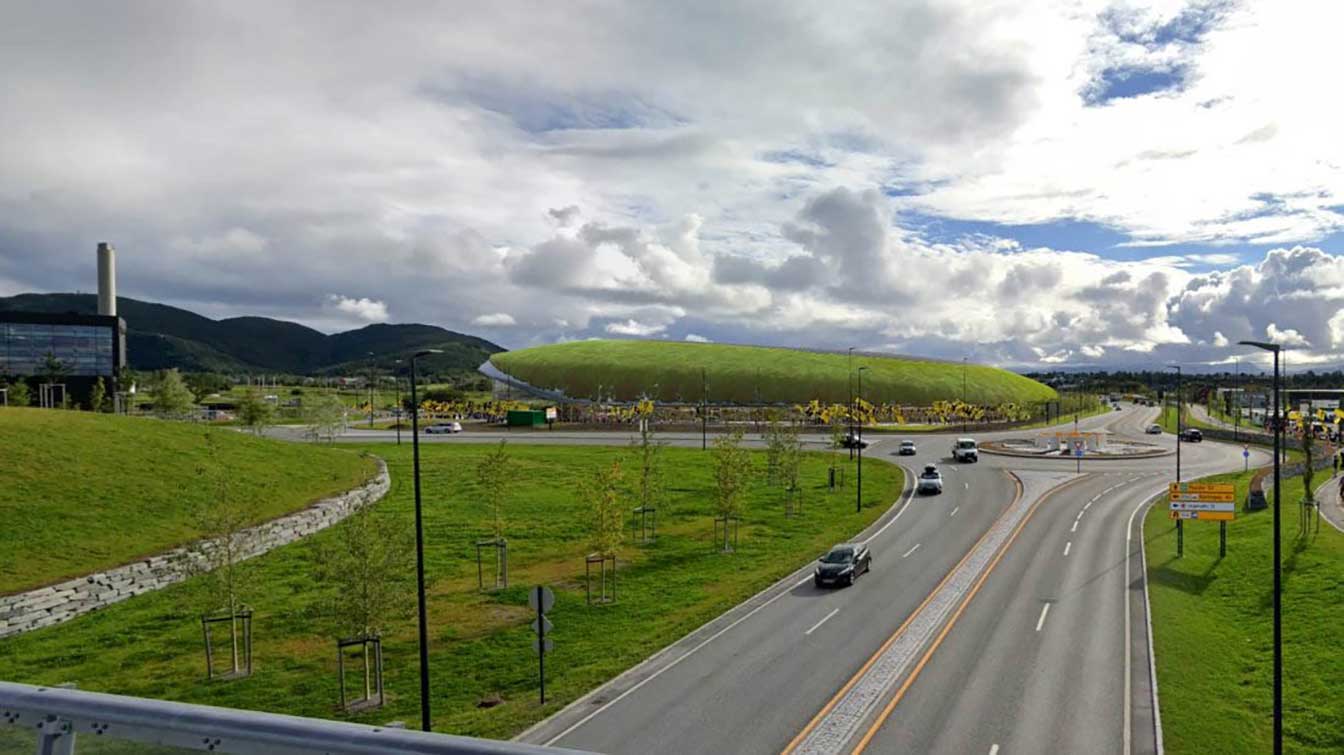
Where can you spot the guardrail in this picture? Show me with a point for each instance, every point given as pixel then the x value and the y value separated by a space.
pixel 59 719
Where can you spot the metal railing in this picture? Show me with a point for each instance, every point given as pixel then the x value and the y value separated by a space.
pixel 59 719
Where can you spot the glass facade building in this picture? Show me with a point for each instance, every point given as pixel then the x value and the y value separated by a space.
pixel 82 350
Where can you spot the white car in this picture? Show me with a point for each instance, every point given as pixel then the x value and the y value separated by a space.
pixel 966 451
pixel 1154 430
pixel 444 428
pixel 930 481
pixel 907 448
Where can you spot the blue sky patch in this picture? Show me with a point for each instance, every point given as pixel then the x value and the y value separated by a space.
pixel 1124 82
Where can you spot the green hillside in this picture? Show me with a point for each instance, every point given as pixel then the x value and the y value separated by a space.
pixel 159 336
pixel 81 492
pixel 671 371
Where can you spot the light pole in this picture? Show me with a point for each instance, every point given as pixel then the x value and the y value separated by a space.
pixel 858 489
pixel 1180 523
pixel 963 394
pixel 849 385
pixel 396 383
pixel 370 389
pixel 1278 594
pixel 704 409
pixel 420 545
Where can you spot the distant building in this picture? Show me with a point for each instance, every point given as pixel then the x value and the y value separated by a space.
pixel 61 356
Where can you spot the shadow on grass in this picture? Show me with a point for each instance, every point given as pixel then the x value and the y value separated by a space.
pixel 1165 573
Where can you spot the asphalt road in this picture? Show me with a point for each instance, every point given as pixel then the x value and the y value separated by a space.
pixel 1006 615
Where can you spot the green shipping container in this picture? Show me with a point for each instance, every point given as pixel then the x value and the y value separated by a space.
pixel 527 418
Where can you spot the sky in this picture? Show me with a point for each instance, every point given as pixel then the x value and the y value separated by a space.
pixel 1030 184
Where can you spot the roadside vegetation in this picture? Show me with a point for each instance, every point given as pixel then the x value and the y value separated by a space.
pixel 80 492
pixel 1212 631
pixel 483 670
pixel 671 371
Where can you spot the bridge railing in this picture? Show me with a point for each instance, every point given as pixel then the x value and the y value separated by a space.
pixel 58 721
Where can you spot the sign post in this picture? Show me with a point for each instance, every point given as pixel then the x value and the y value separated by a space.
pixel 1214 501
pixel 1079 448
pixel 541 599
pixel 1246 458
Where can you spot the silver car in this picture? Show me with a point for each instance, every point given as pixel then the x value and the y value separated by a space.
pixel 930 481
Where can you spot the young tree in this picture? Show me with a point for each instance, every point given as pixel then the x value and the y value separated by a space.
pixel 97 396
pixel 172 400
pixel 325 417
pixel 648 450
pixel 218 560
pixel 367 565
pixel 774 448
pixel 18 393
pixel 255 412
pixel 790 461
pixel 605 492
pixel 732 475
pixel 493 476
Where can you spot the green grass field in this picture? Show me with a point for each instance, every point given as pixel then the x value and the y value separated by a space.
pixel 480 643
pixel 81 492
pixel 671 371
pixel 1212 631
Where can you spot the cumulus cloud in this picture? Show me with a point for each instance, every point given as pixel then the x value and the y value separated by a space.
pixel 757 174
pixel 495 320
pixel 366 310
pixel 693 338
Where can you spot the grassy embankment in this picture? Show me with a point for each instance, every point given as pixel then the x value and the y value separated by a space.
pixel 83 492
pixel 480 642
pixel 1212 630
pixel 671 371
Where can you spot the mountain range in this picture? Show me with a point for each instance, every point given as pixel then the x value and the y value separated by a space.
pixel 159 336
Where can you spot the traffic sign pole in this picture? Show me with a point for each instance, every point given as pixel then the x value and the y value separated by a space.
pixel 1222 539
pixel 541 651
pixel 1180 538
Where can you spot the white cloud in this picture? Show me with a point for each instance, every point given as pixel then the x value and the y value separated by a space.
pixel 634 328
pixel 495 320
pixel 1285 336
pixel 365 310
pixel 693 338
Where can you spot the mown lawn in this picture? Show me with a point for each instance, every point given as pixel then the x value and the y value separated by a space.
pixel 81 492
pixel 671 371
pixel 480 643
pixel 1213 632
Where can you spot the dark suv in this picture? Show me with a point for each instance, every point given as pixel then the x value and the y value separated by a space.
pixel 1192 435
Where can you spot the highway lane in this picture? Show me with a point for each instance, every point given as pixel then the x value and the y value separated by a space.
pixel 1038 660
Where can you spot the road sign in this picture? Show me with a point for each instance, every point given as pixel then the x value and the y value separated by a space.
pixel 1201 506
pixel 545 628
pixel 1245 452
pixel 1201 487
pixel 1203 497
pixel 540 599
pixel 547 643
pixel 1214 516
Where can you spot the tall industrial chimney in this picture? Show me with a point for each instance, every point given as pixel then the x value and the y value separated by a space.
pixel 107 280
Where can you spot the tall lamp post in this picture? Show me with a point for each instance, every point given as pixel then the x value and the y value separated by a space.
pixel 704 409
pixel 396 384
pixel 858 489
pixel 1277 428
pixel 370 389
pixel 963 394
pixel 849 384
pixel 420 545
pixel 1180 523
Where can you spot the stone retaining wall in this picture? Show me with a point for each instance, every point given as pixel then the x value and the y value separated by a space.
pixel 60 602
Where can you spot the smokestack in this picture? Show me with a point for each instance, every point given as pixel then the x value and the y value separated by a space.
pixel 107 280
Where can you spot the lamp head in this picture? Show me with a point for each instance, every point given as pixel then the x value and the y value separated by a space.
pixel 1261 345
pixel 427 352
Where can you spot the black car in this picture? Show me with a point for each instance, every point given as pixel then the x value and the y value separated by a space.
pixel 842 565
pixel 1192 435
pixel 851 440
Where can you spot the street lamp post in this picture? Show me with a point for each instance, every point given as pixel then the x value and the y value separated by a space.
pixel 849 385
pixel 1277 428
pixel 1180 523
pixel 963 394
pixel 420 545
pixel 704 409
pixel 396 384
pixel 858 490
pixel 370 389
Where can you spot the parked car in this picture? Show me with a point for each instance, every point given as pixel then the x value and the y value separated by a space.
pixel 444 428
pixel 852 440
pixel 1153 430
pixel 1192 435
pixel 930 481
pixel 842 565
pixel 965 450
pixel 907 448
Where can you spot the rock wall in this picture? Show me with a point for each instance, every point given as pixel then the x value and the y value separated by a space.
pixel 60 602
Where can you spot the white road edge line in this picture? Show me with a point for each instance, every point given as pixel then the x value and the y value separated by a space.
pixel 967 484
pixel 912 550
pixel 1074 528
pixel 954 511
pixel 824 619
pixel 1152 661
pixel 994 749
pixel 1067 546
pixel 712 637
pixel 1045 609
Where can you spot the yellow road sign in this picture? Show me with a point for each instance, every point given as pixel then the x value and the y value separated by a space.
pixel 1208 516
pixel 1203 497
pixel 1202 487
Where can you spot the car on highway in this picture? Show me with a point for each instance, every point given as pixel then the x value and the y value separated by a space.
pixel 930 481
pixel 1153 430
pixel 1192 435
pixel 907 448
pixel 444 428
pixel 842 565
pixel 966 451
pixel 852 440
